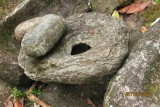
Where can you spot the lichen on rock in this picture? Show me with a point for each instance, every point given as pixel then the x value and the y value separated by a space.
pixel 130 78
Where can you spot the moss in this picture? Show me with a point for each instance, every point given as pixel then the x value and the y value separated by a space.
pixel 5 36
pixel 6 6
pixel 152 81
pixel 150 84
pixel 150 14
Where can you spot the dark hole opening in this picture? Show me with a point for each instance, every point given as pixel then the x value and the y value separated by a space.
pixel 80 48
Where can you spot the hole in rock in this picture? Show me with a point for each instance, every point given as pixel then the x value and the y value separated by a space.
pixel 80 48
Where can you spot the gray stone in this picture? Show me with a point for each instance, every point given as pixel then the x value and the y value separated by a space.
pixel 9 47
pixel 137 82
pixel 5 91
pixel 64 8
pixel 25 26
pixel 9 69
pixel 95 45
pixel 105 6
pixel 42 38
pixel 22 12
pixel 65 95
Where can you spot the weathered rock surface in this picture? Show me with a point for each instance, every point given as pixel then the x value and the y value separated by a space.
pixel 64 8
pixel 95 45
pixel 4 92
pixel 34 8
pixel 22 28
pixel 60 95
pixel 9 48
pixel 104 6
pixel 22 12
pixel 42 38
pixel 136 85
pixel 9 69
pixel 63 96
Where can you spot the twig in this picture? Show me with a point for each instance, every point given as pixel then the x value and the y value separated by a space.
pixel 8 102
pixel 90 102
pixel 31 88
pixel 37 100
pixel 9 98
pixel 34 98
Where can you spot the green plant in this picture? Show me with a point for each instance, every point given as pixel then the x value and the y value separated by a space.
pixel 158 1
pixel 17 94
pixel 1 1
pixel 153 90
pixel 36 92
pixel 29 103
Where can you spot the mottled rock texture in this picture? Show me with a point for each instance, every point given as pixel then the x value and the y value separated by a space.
pixel 42 38
pixel 63 96
pixel 9 47
pixel 25 26
pixel 5 89
pixel 94 45
pixel 66 95
pixel 104 6
pixel 138 75
pixel 11 72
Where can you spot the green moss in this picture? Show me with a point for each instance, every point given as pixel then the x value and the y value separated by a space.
pixel 158 1
pixel 150 86
pixel 1 2
pixel 152 81
pixel 150 14
pixel 5 36
pixel 153 89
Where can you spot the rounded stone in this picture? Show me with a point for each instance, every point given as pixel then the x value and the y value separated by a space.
pixel 94 46
pixel 42 38
pixel 25 26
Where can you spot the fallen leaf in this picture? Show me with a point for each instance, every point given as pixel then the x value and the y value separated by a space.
pixel 115 14
pixel 8 103
pixel 143 29
pixel 89 101
pixel 17 103
pixel 135 7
